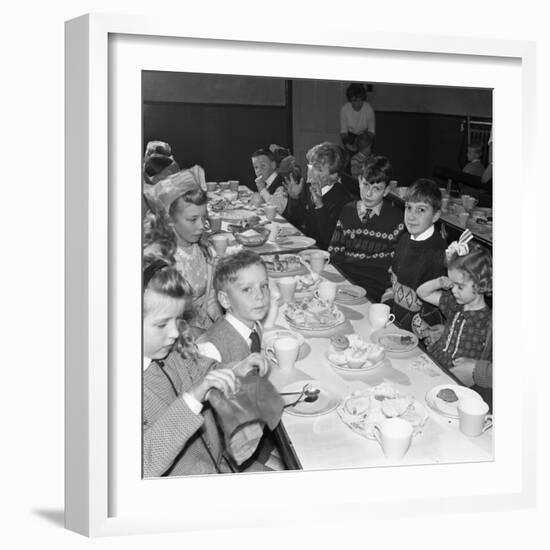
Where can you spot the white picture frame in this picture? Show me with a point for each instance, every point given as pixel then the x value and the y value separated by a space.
pixel 103 495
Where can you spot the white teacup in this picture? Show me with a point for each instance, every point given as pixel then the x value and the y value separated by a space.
pixel 326 291
pixel 219 241
pixel 473 419
pixel 270 211
pixel 273 231
pixel 284 351
pixel 463 218
pixel 395 436
pixel 318 259
pixel 287 286
pixel 380 316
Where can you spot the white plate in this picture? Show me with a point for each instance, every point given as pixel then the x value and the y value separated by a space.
pixel 299 270
pixel 343 297
pixel 236 216
pixel 295 242
pixel 367 366
pixel 326 402
pixel 363 422
pixel 389 339
pixel 340 318
pixel 445 408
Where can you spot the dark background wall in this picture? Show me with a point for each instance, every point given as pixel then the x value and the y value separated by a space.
pixel 218 120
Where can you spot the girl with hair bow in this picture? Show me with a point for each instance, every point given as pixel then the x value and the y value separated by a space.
pixel 461 298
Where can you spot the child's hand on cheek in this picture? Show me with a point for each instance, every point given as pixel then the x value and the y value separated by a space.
pixel 445 283
pixel 221 379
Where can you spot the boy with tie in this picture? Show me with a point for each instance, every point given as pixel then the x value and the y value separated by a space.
pixel 367 231
pixel 242 288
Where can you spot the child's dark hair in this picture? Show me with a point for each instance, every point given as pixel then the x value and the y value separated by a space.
pixel 166 281
pixel 363 140
pixel 198 197
pixel 356 89
pixel 264 153
pixel 477 265
pixel 229 266
pixel 328 154
pixel 425 190
pixel 377 169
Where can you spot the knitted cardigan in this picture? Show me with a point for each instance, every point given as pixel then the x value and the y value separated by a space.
pixel 171 431
pixel 364 250
pixel 414 263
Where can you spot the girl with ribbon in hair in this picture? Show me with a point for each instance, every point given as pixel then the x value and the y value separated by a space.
pixel 183 201
pixel 466 337
pixel 180 435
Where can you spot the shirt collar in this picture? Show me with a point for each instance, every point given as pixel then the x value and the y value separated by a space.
pixel 271 179
pixel 240 327
pixel 146 362
pixel 424 235
pixel 375 211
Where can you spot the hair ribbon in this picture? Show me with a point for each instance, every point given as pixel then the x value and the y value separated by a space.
pixel 461 247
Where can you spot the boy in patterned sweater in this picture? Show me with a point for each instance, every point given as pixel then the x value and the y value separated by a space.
pixel 419 257
pixel 364 240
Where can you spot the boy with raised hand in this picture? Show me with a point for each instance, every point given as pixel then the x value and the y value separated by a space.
pixel 367 231
pixel 419 257
pixel 315 205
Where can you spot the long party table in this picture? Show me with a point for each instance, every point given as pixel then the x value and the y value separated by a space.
pixel 324 441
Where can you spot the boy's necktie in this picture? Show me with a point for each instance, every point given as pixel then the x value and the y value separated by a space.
pixel 366 215
pixel 255 346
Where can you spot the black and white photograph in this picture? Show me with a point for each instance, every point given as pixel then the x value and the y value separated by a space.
pixel 317 274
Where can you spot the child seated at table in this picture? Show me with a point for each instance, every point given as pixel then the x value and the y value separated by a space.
pixel 363 144
pixel 180 435
pixel 465 344
pixel 419 257
pixel 315 205
pixel 474 166
pixel 184 202
pixel 242 289
pixel 367 231
pixel 269 182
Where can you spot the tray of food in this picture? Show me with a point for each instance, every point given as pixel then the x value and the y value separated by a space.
pixel 361 411
pixel 313 314
pixel 351 353
pixel 284 265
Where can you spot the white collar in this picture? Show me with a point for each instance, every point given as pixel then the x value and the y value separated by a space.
pixel 327 188
pixel 239 326
pixel 146 362
pixel 271 179
pixel 425 235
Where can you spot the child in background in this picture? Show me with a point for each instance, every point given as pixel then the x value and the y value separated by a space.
pixel 474 166
pixel 269 182
pixel 185 204
pixel 419 257
pixel 314 206
pixel 364 148
pixel 180 436
pixel 367 231
pixel 461 298
pixel 242 288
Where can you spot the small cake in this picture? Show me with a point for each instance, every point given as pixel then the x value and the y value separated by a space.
pixel 339 343
pixel 447 395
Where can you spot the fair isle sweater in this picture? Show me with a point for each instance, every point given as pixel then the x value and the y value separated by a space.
pixel 174 437
pixel 414 263
pixel 363 250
